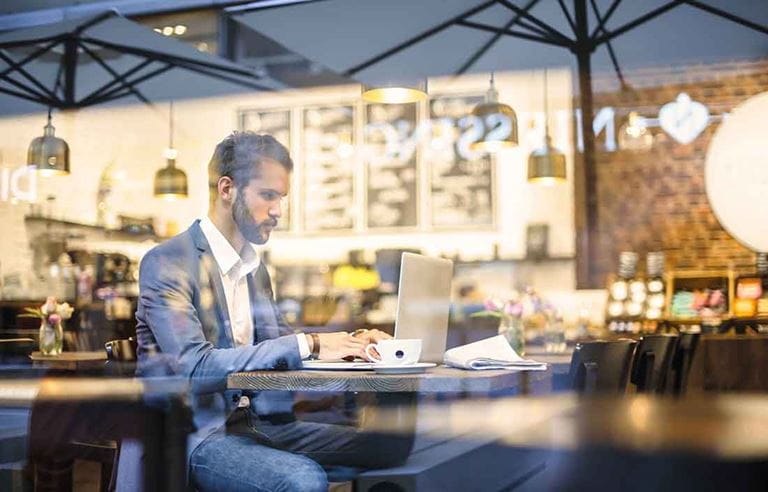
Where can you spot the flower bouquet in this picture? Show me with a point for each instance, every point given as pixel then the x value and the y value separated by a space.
pixel 517 313
pixel 50 314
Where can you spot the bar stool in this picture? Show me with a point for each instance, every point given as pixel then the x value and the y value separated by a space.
pixel 681 363
pixel 601 366
pixel 652 362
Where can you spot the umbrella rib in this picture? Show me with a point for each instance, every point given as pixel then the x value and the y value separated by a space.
pixel 31 57
pixel 635 23
pixel 21 95
pixel 27 89
pixel 567 15
pixel 609 46
pixel 25 74
pixel 101 93
pixel 601 23
pixel 727 15
pixel 484 49
pixel 554 32
pixel 222 76
pixel 116 75
pixel 514 34
pixel 125 74
pixel 410 42
pixel 165 57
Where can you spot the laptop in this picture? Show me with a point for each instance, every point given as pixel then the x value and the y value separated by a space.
pixel 423 308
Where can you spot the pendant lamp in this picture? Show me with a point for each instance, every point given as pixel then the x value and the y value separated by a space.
pixel 170 181
pixel 546 165
pixel 48 154
pixel 398 91
pixel 499 123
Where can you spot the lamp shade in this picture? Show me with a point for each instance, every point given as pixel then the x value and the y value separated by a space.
pixel 170 182
pixel 499 124
pixel 48 154
pixel 546 165
pixel 395 92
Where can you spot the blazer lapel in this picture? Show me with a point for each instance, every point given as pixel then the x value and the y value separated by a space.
pixel 211 270
pixel 262 310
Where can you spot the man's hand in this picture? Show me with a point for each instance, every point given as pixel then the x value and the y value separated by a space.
pixel 338 345
pixel 372 336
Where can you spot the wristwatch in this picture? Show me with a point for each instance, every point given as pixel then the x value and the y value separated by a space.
pixel 315 346
pixel 357 332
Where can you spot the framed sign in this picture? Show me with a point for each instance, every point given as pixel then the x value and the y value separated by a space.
pixel 328 147
pixel 461 181
pixel 278 124
pixel 390 157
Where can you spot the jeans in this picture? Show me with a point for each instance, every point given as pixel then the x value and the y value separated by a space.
pixel 257 455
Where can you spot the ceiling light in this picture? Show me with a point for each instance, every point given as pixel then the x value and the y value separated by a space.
pixel 499 122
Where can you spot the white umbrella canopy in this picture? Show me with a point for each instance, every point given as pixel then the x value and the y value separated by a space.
pixel 371 40
pixel 94 60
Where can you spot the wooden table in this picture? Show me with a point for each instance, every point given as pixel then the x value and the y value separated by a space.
pixel 436 380
pixel 70 361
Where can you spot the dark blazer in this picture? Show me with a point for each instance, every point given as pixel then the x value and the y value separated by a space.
pixel 183 326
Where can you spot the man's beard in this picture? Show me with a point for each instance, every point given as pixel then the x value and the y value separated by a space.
pixel 250 229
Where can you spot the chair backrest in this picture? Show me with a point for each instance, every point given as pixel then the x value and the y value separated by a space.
pixel 681 363
pixel 601 366
pixel 652 362
pixel 122 350
pixel 16 350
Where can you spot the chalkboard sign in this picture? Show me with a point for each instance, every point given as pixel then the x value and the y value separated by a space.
pixel 390 155
pixel 329 169
pixel 461 181
pixel 278 124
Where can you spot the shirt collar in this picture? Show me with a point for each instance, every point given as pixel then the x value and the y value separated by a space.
pixel 223 252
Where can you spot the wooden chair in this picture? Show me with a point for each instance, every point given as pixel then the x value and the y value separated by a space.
pixel 601 366
pixel 652 362
pixel 681 363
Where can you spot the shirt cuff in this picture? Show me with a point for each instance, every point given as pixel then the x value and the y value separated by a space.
pixel 304 351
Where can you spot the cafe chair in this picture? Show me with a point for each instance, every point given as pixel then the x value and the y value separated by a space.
pixel 681 363
pixel 653 362
pixel 121 357
pixel 601 366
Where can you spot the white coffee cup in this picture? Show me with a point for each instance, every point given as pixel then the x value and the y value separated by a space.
pixel 396 351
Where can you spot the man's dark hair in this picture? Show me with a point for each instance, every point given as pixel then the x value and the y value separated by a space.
pixel 240 155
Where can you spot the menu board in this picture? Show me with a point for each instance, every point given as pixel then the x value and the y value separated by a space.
pixel 278 124
pixel 329 169
pixel 390 155
pixel 461 181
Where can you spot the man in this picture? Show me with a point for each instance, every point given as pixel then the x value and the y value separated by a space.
pixel 206 310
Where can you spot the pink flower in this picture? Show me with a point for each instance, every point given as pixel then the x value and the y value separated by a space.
pixel 49 306
pixel 54 319
pixel 493 304
pixel 513 309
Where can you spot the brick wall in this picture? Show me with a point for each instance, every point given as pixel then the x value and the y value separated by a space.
pixel 656 200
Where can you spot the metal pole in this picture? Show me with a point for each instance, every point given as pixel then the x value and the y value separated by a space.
pixel 70 68
pixel 586 177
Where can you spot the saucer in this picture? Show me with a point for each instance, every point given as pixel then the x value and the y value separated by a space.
pixel 403 369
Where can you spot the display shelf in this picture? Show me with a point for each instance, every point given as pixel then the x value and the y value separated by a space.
pixel 115 234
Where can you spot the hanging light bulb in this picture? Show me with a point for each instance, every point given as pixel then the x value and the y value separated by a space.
pixel 397 91
pixel 546 165
pixel 170 181
pixel 634 134
pixel 499 122
pixel 48 154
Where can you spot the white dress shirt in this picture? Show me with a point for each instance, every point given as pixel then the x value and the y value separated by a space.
pixel 234 269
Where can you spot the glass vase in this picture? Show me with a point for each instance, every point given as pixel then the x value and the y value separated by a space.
pixel 512 329
pixel 51 337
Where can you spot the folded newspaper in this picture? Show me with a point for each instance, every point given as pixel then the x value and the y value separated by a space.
pixel 491 353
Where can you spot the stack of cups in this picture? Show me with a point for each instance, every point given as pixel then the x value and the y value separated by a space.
pixel 654 264
pixel 627 264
